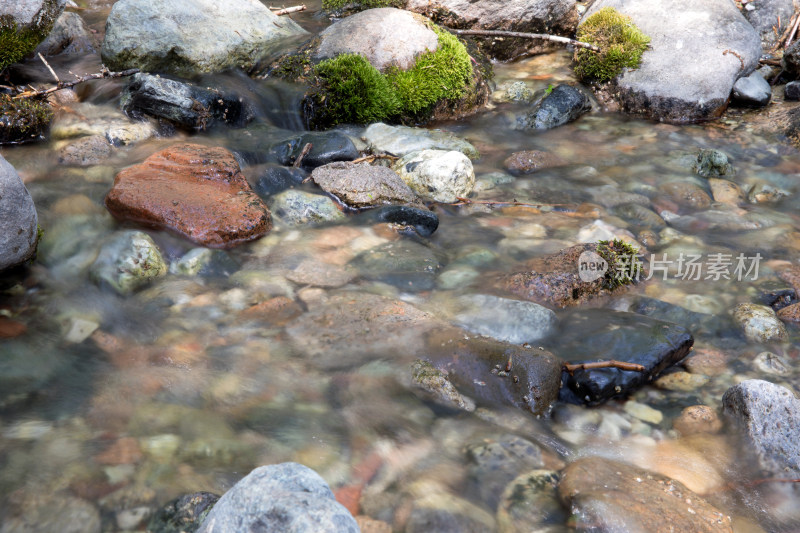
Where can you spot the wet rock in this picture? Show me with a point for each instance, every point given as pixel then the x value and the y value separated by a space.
pixel 18 218
pixel 529 504
pixel 293 208
pixel 317 274
pixel 283 497
pixel 713 163
pixel 445 513
pixel 531 161
pixel 129 260
pixel 560 106
pixel 763 192
pixel 643 412
pixel 402 140
pixel 423 221
pixel 770 363
pixel 752 90
pixel 273 179
pixel 151 35
pixel 506 320
pixel 613 496
pixel 68 36
pixel 183 514
pixel 437 175
pixel 24 25
pixel 681 381
pixel 790 313
pixel 611 196
pixel 193 190
pixel 640 216
pixel 404 264
pixel 767 14
pixel 205 262
pixel 701 324
pixel 184 104
pixel 326 147
pixel 791 60
pixel 514 91
pixel 726 192
pixel 85 152
pixel 759 323
pixel 434 381
pixel 791 90
pixel 685 90
pixel 769 417
pixel 26 367
pixel 697 419
pixel 606 335
pixel 362 184
pixel 51 514
pixel 687 194
pixel 85 119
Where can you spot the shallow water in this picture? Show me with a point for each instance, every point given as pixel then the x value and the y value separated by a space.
pixel 199 392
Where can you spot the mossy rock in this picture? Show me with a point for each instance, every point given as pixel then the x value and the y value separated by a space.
pixel 23 119
pixel 341 8
pixel 621 45
pixel 624 267
pixel 20 38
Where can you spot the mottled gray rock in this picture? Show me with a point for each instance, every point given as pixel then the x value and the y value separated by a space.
pixel 405 264
pixel 186 37
pixel 504 319
pixel 769 416
pixel 402 140
pixel 764 14
pixel 298 208
pixel 127 261
pixel 759 323
pixel 89 119
pixel 362 184
pixel 563 104
pixel 529 504
pixel 32 13
pixel 712 163
pixel 282 497
pixel 752 90
pixel 434 381
pixel 437 175
pixel 85 152
pixel 68 36
pixel 792 90
pixel 18 219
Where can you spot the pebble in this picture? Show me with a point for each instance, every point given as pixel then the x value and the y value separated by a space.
pixel 697 419
pixel 643 412
pixel 759 323
pixel 707 361
pixel 770 363
pixel 681 381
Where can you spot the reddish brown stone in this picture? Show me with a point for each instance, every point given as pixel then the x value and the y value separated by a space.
pixel 531 161
pixel 196 191
pixel 790 313
pixel 278 311
pixel 11 328
pixel 124 451
pixel 349 496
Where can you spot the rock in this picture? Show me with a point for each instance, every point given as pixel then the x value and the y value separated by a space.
pixel 529 504
pixel 18 218
pixel 445 513
pixel 713 163
pixel 726 192
pixel 152 36
pixel 506 320
pixel 563 104
pixel 298 208
pixel 762 192
pixel 513 91
pixel 759 323
pixel 681 381
pixel 701 324
pixel 423 221
pixel 368 525
pixel 532 160
pixel 402 140
pixel 193 190
pixel 766 14
pixel 686 194
pixel 606 335
pixel 769 417
pixel 613 496
pixel 127 261
pixel 68 36
pixel 81 119
pixel 326 147
pixel 771 363
pixel 85 152
pixel 282 497
pixel 437 175
pixel 362 184
pixel 405 264
pixel 23 121
pixel 318 274
pixel 556 17
pixel 640 216
pixel 790 313
pixel 205 262
pixel 184 104
pixel 434 381
pixel 274 179
pixel 51 514
pixel 183 514
pixel 643 412
pixel 23 25
pixel 668 85
pixel 791 60
pixel 697 419
pixel 752 90
pixel 791 90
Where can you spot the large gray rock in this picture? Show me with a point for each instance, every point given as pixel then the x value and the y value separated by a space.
pixel 17 218
pixel 764 14
pixel 697 52
pixel 185 37
pixel 769 416
pixel 68 36
pixel 362 184
pixel 284 497
pixel 395 37
pixel 31 20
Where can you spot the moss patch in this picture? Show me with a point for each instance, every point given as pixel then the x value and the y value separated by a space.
pixel 23 119
pixel 350 7
pixel 621 45
pixel 15 44
pixel 624 267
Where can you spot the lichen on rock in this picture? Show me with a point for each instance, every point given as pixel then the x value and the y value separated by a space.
pixel 23 27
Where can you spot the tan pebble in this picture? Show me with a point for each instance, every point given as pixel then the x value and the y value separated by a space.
pixel 681 381
pixel 369 525
pixel 726 192
pixel 697 419
pixel 706 361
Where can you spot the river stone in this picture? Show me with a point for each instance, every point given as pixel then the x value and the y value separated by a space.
pixel 701 324
pixel 602 335
pixel 764 14
pixel 196 191
pixel 434 381
pixel 395 38
pixel 752 90
pixel 791 90
pixel 726 192
pixel 563 104
pixel 293 208
pixel 85 151
pixel 18 219
pixel 423 221
pixel 273 179
pixel 713 163
pixel 445 513
pixel 152 35
pixel 68 36
pixel 84 119
pixel 437 175
pixel 405 264
pixel 183 514
pixel 34 18
pixel 127 261
pixel 607 495
pixel 282 497
pixel 529 161
pixel 402 140
pixel 51 514
pixel 326 147
pixel 529 504
pixel 506 320
pixel 556 17
pixel 362 184
pixel 685 75
pixel 640 216
pixel 759 323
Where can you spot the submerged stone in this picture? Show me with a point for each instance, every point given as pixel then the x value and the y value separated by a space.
pixel 507 320
pixel 437 175
pixel 293 208
pixel 273 179
pixel 18 218
pixel 424 221
pixel 128 261
pixel 326 147
pixel 183 514
pixel 402 140
pixel 560 106
pixel 405 264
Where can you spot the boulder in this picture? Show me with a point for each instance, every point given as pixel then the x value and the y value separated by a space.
pixel 68 36
pixel 402 140
pixel 153 35
pixel 563 104
pixel 362 184
pixel 18 218
pixel 437 175
pixel 193 190
pixel 23 25
pixel 697 52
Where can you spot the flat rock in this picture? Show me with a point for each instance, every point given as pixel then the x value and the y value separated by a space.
pixel 362 184
pixel 193 190
pixel 292 208
pixel 402 140
pixel 437 175
pixel 18 219
pixel 529 161
pixel 504 319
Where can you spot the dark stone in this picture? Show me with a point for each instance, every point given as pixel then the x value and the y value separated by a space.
pixel 563 104
pixel 777 295
pixel 752 90
pixel 276 178
pixel 791 60
pixel 326 147
pixel 184 514
pixel 186 105
pixel 405 264
pixel 700 324
pixel 792 90
pixel 423 221
pixel 602 335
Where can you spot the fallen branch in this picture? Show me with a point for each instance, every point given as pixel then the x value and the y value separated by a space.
pixel 603 364
pixel 67 84
pixel 286 11
pixel 52 72
pixel 794 32
pixel 371 158
pixel 299 160
pixel 792 25
pixel 467 201
pixel 521 35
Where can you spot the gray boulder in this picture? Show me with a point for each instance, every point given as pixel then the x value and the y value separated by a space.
pixel 282 497
pixel 69 36
pixel 31 20
pixel 752 90
pixel 697 52
pixel 18 219
pixel 185 37
pixel 764 14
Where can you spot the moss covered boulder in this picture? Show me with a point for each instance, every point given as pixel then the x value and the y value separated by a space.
pixel 385 65
pixel 23 119
pixel 23 25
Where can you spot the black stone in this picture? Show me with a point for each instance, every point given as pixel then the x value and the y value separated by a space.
pixel 700 324
pixel 563 104
pixel 326 147
pixel 792 90
pixel 777 295
pixel 184 514
pixel 276 178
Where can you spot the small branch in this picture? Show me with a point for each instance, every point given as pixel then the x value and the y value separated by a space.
pixel 603 364
pixel 299 160
pixel 53 72
pixel 67 84
pixel 286 11
pixel 541 36
pixel 794 32
pixel 371 158
pixel 467 201
pixel 792 25
pixel 739 57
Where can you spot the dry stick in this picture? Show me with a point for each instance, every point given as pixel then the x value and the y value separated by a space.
pixel 542 36
pixel 53 72
pixel 68 84
pixel 371 158
pixel 785 35
pixel 288 10
pixel 299 160
pixel 794 31
pixel 603 364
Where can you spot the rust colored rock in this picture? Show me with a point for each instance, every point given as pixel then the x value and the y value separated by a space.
pixel 11 328
pixel 193 190
pixel 531 161
pixel 124 451
pixel 790 313
pixel 697 419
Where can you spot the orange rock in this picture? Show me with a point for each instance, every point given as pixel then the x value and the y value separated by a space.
pixel 278 311
pixel 349 496
pixel 124 451
pixel 697 419
pixel 11 328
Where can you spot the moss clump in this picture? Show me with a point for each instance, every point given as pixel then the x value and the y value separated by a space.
pixel 15 44
pixel 361 5
pixel 621 45
pixel 624 267
pixel 23 119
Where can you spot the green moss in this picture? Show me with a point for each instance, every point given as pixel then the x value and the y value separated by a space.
pixel 360 5
pixel 16 44
pixel 621 45
pixel 624 267
pixel 23 119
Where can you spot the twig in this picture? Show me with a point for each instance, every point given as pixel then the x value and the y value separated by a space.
pixel 603 364
pixel 466 201
pixel 288 10
pixel 542 36
pixel 732 52
pixel 371 158
pixel 794 32
pixel 53 72
pixel 299 160
pixel 785 35
pixel 67 84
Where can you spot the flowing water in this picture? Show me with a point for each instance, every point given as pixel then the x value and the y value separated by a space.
pixel 128 402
